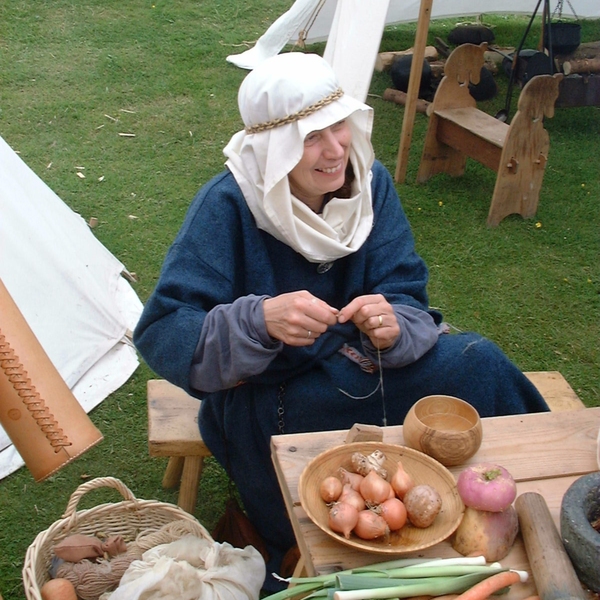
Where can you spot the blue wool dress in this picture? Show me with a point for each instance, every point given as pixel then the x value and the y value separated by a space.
pixel 203 329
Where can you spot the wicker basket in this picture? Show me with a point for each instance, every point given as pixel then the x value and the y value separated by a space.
pixel 127 518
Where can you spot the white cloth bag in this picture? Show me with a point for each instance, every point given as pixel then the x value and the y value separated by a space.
pixel 192 568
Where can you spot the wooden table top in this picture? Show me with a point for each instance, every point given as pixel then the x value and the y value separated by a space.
pixel 545 453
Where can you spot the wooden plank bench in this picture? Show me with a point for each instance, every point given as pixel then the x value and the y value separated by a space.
pixel 173 432
pixel 173 428
pixel 457 129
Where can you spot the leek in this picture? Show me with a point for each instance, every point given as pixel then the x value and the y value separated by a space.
pixel 399 578
pixel 429 586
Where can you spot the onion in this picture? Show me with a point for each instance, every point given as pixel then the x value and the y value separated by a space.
pixel 401 481
pixel 370 525
pixel 58 589
pixel 392 493
pixel 353 479
pixel 486 486
pixel 374 489
pixel 343 518
pixel 330 489
pixel 394 513
pixel 351 496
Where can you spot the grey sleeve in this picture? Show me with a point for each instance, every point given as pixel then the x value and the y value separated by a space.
pixel 418 334
pixel 234 344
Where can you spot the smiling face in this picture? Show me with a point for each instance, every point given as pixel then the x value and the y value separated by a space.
pixel 322 167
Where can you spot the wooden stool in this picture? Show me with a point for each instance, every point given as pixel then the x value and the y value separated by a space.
pixel 173 432
pixel 517 152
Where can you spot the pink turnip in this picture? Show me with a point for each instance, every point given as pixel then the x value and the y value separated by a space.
pixel 491 534
pixel 486 486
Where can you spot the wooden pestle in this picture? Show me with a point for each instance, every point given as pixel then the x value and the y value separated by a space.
pixel 553 573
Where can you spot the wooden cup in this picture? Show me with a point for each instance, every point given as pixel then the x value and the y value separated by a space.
pixel 444 427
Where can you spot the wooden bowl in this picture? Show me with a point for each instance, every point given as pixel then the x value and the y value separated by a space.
pixel 422 468
pixel 444 427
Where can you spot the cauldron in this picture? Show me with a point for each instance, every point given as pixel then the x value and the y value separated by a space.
pixel 400 74
pixel 566 37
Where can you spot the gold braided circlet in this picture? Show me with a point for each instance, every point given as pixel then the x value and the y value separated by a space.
pixel 309 110
pixel 19 379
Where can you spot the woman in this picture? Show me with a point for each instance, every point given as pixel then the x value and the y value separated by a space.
pixel 293 299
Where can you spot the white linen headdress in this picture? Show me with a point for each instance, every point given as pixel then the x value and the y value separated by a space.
pixel 281 101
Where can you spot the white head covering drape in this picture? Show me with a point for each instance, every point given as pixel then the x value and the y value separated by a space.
pixel 260 162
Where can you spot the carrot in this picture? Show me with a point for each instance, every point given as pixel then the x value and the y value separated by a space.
pixel 485 588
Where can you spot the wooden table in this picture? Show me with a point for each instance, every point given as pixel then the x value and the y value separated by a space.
pixel 545 453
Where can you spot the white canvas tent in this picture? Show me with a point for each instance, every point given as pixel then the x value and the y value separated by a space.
pixel 312 19
pixel 68 287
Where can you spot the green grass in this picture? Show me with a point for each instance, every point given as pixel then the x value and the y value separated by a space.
pixel 76 74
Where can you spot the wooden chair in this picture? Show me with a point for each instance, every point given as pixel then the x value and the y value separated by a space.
pixel 173 428
pixel 458 129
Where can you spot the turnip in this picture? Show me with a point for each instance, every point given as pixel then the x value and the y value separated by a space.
pixel 486 486
pixel 490 534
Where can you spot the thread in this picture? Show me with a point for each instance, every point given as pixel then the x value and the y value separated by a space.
pixel 19 379
pixel 379 386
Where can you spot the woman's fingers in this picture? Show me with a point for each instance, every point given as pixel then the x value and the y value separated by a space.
pixel 367 312
pixel 375 317
pixel 297 318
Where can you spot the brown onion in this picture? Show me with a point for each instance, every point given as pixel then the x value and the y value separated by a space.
pixel 343 518
pixel 353 479
pixel 394 513
pixel 330 489
pixel 401 481
pixel 351 496
pixel 374 489
pixel 370 525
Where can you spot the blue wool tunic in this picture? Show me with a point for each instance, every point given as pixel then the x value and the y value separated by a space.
pixel 203 329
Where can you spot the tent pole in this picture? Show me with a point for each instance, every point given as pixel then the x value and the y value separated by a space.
pixel 412 93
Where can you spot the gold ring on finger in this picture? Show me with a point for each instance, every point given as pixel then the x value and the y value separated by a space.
pixel 309 335
pixel 380 320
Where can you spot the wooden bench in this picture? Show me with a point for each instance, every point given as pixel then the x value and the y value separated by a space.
pixel 173 428
pixel 173 432
pixel 517 152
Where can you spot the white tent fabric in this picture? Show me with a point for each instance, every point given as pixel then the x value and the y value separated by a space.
pixel 68 287
pixel 313 18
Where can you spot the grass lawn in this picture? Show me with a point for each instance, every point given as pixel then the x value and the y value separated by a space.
pixel 74 75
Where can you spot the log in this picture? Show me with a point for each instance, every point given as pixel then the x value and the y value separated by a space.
pixel 490 56
pixel 398 97
pixel 581 65
pixel 585 50
pixel 437 68
pixel 385 59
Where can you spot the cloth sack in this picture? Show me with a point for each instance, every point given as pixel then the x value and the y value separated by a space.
pixel 192 568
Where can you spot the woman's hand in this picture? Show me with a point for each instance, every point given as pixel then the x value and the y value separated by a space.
pixel 298 318
pixel 375 317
